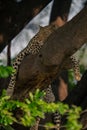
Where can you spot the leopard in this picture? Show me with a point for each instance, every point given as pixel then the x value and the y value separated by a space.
pixel 33 48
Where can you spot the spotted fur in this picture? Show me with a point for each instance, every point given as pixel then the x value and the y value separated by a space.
pixel 49 97
pixel 75 65
pixel 57 120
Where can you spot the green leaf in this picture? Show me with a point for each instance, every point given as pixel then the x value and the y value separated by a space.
pixel 5 71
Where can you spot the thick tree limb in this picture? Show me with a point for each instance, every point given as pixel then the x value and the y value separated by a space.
pixel 60 8
pixel 14 16
pixel 44 67
pixel 59 15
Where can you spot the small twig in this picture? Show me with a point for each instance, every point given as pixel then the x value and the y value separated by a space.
pixel 83 111
pixel 45 126
pixel 9 54
pixel 50 127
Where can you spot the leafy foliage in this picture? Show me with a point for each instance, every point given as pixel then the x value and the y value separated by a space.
pixel 73 116
pixel 35 106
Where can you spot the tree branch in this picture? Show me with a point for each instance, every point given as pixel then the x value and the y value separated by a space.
pixel 38 71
